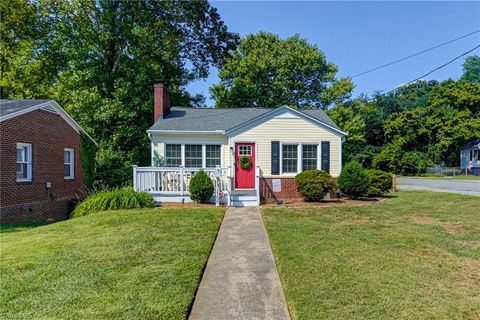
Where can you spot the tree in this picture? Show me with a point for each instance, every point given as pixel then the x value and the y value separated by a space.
pixel 106 55
pixel 28 60
pixel 350 121
pixel 267 71
pixel 471 69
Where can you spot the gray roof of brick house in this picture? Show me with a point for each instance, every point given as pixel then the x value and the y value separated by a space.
pixel 211 119
pixel 12 106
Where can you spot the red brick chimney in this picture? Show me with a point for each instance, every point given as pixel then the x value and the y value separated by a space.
pixel 161 101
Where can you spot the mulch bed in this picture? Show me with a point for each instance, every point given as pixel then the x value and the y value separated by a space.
pixel 300 203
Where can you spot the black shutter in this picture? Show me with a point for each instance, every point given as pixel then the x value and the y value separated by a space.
pixel 326 156
pixel 275 157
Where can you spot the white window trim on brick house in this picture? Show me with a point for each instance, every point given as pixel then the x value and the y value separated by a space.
pixel 71 163
pixel 26 159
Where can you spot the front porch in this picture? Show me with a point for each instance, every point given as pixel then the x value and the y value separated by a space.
pixel 168 184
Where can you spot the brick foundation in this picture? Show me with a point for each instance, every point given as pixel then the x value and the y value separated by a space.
pixel 49 134
pixel 288 190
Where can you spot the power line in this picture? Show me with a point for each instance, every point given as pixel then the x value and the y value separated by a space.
pixel 437 68
pixel 415 54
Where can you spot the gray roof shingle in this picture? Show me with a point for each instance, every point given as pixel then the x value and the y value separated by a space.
pixel 211 119
pixel 12 106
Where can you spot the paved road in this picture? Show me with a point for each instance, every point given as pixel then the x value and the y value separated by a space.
pixel 241 280
pixel 440 185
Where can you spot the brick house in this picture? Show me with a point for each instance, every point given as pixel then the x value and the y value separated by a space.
pixel 253 154
pixel 41 173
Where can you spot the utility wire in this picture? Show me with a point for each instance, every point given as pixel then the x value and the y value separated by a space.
pixel 437 68
pixel 415 54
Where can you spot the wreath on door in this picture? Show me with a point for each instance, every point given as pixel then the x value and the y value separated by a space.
pixel 245 162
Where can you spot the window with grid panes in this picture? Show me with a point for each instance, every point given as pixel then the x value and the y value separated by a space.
pixel 309 157
pixel 173 153
pixel 213 155
pixel 289 158
pixel 193 155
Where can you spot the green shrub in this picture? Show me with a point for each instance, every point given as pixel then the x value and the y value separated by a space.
pixel 381 183
pixel 414 163
pixel 314 185
pixel 114 199
pixel 201 187
pixel 375 192
pixel 354 180
pixel 87 158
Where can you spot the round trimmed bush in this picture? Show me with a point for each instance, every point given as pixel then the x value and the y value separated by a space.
pixel 381 182
pixel 314 185
pixel 354 180
pixel 114 199
pixel 201 187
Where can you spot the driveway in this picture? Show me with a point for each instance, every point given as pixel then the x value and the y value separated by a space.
pixel 440 185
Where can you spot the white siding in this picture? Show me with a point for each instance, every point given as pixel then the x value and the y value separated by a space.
pixel 289 130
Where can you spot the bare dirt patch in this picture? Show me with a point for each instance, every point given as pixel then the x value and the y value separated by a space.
pixel 450 228
pixel 474 244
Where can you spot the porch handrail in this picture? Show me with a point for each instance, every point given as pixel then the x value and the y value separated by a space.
pixel 175 180
pixel 257 184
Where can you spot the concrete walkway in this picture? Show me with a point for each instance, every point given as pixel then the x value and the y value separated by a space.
pixel 241 280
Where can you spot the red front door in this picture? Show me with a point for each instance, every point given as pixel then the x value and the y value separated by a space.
pixel 244 177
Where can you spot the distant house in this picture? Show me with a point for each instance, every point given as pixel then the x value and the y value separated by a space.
pixel 256 152
pixel 40 164
pixel 470 155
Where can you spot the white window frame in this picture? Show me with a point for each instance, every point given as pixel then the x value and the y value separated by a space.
pixel 71 163
pixel 299 156
pixel 281 157
pixel 28 161
pixel 204 152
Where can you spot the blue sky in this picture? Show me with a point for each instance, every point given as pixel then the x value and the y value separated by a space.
pixel 358 36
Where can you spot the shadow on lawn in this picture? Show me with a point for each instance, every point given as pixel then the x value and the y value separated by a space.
pixel 6 228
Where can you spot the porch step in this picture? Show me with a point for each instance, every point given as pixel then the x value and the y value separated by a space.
pixel 244 200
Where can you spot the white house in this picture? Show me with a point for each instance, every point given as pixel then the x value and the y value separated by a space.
pixel 256 152
pixel 470 155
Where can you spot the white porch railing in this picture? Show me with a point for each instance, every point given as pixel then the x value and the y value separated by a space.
pixel 175 181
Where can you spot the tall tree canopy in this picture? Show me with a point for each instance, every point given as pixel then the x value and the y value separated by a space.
pixel 267 71
pixel 412 128
pixel 471 69
pixel 100 59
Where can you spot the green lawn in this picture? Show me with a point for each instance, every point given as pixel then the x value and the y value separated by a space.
pixel 415 256
pixel 131 264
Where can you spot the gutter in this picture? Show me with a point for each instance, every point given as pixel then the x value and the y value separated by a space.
pixel 187 132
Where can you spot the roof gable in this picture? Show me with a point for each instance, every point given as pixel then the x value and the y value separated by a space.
pixel 289 113
pixel 13 108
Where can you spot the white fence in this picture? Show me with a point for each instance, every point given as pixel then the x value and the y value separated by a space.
pixel 175 181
